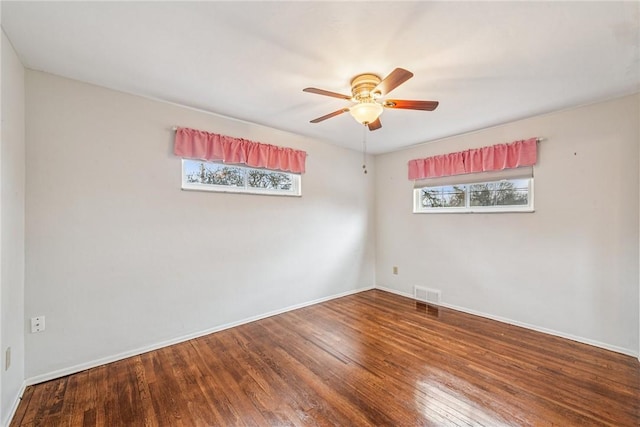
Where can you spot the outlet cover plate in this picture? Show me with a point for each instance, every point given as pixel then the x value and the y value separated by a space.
pixel 37 324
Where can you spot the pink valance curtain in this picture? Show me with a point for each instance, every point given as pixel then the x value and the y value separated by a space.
pixel 201 145
pixel 493 158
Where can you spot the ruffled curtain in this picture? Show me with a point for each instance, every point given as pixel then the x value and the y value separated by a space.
pixel 201 145
pixel 494 158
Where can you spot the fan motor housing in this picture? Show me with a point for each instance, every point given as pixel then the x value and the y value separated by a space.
pixel 362 86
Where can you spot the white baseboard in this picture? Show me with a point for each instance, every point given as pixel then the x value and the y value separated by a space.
pixel 571 337
pixel 14 407
pixel 114 358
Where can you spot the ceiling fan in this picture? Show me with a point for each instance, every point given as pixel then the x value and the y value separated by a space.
pixel 367 91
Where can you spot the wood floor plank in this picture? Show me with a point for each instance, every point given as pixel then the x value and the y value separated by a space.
pixel 369 359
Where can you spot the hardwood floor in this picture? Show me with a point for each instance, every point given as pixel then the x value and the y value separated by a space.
pixel 373 358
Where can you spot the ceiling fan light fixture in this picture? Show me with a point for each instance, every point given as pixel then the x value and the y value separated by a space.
pixel 367 94
pixel 366 112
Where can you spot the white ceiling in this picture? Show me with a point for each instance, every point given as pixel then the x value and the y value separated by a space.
pixel 486 62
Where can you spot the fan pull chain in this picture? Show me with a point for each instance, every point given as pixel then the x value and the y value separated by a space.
pixel 364 149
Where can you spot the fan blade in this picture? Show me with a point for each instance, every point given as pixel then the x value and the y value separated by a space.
pixel 392 81
pixel 410 105
pixel 375 125
pixel 328 116
pixel 325 92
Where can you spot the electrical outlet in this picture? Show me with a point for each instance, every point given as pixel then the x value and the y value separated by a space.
pixel 395 269
pixel 37 324
pixel 7 359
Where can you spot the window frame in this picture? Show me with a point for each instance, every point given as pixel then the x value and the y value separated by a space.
pixel 529 207
pixel 295 191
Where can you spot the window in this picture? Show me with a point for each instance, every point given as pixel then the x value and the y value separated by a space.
pixel 505 195
pixel 222 177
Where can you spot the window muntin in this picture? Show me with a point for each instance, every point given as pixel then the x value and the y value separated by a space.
pixel 506 195
pixel 221 177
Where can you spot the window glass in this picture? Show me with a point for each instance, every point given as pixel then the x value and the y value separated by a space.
pixel 214 176
pixel 506 195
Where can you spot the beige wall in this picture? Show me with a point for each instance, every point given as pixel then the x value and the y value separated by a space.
pixel 119 259
pixel 570 268
pixel 12 196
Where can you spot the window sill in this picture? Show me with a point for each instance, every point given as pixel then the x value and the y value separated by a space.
pixel 476 211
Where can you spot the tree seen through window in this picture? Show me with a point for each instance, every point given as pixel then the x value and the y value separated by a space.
pixel 215 176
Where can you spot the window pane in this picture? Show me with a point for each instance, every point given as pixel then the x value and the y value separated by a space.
pixel 431 198
pixel 482 194
pixel 258 178
pixel 213 174
pixel 453 196
pixel 510 193
pixel 514 192
pixel 501 193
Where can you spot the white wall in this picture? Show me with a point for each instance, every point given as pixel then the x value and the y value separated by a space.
pixel 570 268
pixel 119 258
pixel 12 205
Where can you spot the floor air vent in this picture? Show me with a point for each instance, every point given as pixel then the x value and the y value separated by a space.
pixel 426 295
